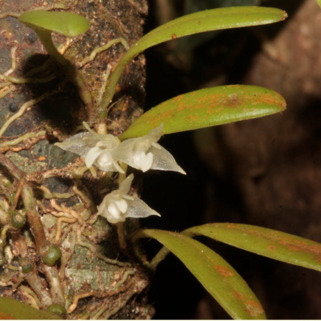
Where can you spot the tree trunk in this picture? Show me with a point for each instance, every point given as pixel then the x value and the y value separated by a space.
pixel 40 105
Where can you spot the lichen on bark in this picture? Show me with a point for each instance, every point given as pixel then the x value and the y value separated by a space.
pixel 41 105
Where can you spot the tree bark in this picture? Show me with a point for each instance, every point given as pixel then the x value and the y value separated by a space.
pixel 40 105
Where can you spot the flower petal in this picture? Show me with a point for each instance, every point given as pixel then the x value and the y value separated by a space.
pixel 108 141
pixel 76 144
pixel 164 160
pixel 110 210
pixel 132 151
pixel 122 205
pixel 139 153
pixel 114 215
pixel 106 162
pixel 142 161
pixel 154 135
pixel 92 155
pixel 138 208
pixel 113 210
pixel 126 184
pixel 95 148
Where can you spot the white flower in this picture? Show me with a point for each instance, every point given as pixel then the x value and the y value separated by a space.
pixel 145 153
pixel 106 151
pixel 95 148
pixel 118 205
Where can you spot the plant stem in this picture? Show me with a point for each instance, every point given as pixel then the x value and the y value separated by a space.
pixel 121 235
pixel 33 218
pixel 159 257
pixel 71 72
pixel 39 288
pixel 113 80
pixel 32 277
pixel 55 284
pixel 46 40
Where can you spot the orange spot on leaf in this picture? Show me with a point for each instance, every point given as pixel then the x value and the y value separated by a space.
pixel 192 118
pixel 238 295
pixel 5 316
pixel 271 247
pixel 254 308
pixel 224 271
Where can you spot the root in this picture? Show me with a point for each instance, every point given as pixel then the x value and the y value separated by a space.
pixel 76 298
pixel 23 109
pixel 22 139
pixel 59 226
pixel 95 252
pixel 68 210
pixel 98 50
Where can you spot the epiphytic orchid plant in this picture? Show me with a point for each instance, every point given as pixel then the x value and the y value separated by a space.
pixel 138 148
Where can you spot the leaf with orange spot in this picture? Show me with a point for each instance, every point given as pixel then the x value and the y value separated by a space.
pixel 208 107
pixel 212 271
pixel 263 241
pixel 12 309
pixel 202 21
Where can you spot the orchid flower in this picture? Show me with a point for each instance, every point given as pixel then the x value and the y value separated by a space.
pixel 145 153
pixel 95 148
pixel 118 205
pixel 106 151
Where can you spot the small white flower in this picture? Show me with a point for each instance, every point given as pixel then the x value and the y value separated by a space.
pixel 118 205
pixel 106 151
pixel 95 148
pixel 145 153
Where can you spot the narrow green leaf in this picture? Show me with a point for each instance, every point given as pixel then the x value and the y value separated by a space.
pixel 208 107
pixel 12 309
pixel 319 2
pixel 270 243
pixel 207 20
pixel 213 272
pixel 64 22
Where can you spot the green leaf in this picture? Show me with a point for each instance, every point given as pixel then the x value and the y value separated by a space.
pixel 213 272
pixel 189 43
pixel 207 20
pixel 12 309
pixel 66 23
pixel 208 107
pixel 196 5
pixel 319 2
pixel 263 241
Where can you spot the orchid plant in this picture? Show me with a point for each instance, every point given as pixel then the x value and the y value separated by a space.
pixel 108 153
pixel 138 148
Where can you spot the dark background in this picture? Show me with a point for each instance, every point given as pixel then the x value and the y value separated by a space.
pixel 263 172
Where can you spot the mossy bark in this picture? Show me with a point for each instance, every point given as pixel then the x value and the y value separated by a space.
pixel 39 105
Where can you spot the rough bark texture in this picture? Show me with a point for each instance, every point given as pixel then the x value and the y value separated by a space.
pixel 93 279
